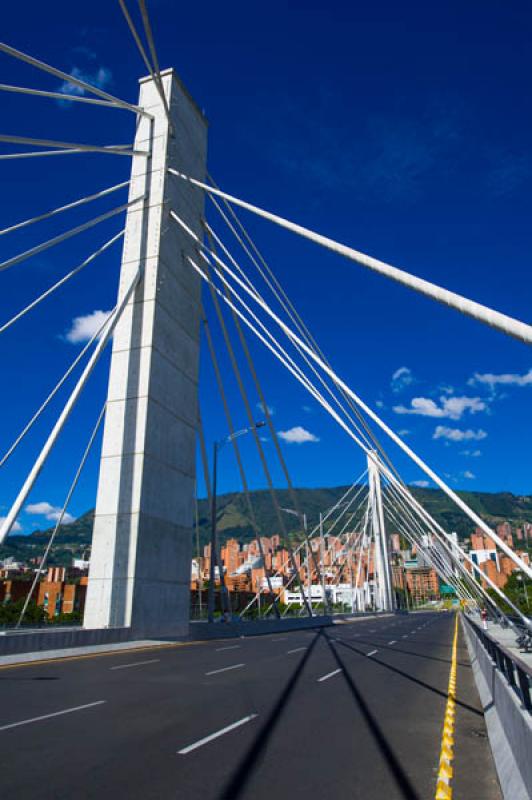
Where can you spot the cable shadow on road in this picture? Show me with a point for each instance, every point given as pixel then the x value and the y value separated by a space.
pixel 244 771
pixel 418 681
pixel 400 776
pixel 373 643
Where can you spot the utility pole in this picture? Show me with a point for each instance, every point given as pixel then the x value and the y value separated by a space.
pixel 200 577
pixel 322 552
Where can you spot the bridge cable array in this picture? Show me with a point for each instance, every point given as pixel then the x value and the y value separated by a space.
pixel 295 339
pixel 232 291
pixel 253 322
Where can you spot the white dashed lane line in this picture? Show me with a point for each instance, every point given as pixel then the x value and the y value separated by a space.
pixel 230 647
pixel 394 641
pixel 296 650
pixel 372 653
pixel 136 664
pixel 329 675
pixel 225 669
pixel 53 714
pixel 215 735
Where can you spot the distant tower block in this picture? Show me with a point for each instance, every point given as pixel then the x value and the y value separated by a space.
pixel 141 550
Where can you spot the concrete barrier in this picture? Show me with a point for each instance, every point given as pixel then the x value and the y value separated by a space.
pixel 222 630
pixel 37 641
pixel 49 639
pixel 509 724
pixel 40 640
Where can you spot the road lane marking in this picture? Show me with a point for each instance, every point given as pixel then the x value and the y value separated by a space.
pixel 54 714
pixel 224 669
pixel 372 653
pixel 297 650
pixel 136 664
pixel 216 735
pixel 229 647
pixel 394 641
pixel 444 789
pixel 405 636
pixel 329 675
pixel 280 639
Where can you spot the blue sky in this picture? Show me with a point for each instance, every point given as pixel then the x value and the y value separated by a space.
pixel 403 131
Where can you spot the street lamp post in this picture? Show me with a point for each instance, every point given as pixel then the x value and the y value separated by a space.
pixel 226 605
pixel 522 580
pixel 322 552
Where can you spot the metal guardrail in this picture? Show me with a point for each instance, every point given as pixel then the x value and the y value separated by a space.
pixel 517 673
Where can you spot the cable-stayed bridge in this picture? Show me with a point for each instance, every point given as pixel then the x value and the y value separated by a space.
pixel 220 718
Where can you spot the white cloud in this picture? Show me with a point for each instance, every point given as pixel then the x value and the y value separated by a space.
pixel 297 435
pixel 84 328
pixel 451 407
pixel 446 389
pixel 401 378
pixel 15 528
pixel 456 435
pixel 504 379
pixel 469 475
pixel 404 432
pixel 379 403
pixel 307 409
pixel 260 407
pixel 421 484
pixel 101 78
pixel 471 453
pixel 50 512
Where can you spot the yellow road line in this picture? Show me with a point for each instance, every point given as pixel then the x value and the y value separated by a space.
pixel 444 789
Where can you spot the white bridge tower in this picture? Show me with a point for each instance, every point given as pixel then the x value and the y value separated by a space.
pixel 141 551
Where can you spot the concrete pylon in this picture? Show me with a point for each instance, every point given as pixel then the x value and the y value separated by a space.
pixel 385 592
pixel 141 548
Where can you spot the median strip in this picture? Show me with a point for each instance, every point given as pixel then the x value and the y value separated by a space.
pixel 215 735
pixel 444 789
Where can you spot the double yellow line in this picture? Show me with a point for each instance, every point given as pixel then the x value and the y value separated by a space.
pixel 444 789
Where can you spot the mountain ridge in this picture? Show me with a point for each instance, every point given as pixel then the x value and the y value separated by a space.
pixel 73 540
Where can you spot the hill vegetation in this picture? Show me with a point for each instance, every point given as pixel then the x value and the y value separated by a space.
pixel 233 519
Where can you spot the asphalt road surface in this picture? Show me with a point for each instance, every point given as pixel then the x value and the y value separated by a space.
pixel 353 711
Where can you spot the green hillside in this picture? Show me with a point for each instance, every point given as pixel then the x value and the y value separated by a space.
pixel 233 519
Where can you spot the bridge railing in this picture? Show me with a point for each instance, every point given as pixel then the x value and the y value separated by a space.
pixel 517 673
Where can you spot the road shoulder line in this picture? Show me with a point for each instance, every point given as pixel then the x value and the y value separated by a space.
pixel 444 789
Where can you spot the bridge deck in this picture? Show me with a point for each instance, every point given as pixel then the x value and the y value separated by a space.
pixel 351 711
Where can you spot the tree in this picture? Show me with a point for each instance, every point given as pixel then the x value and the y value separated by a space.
pixel 10 612
pixel 518 589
